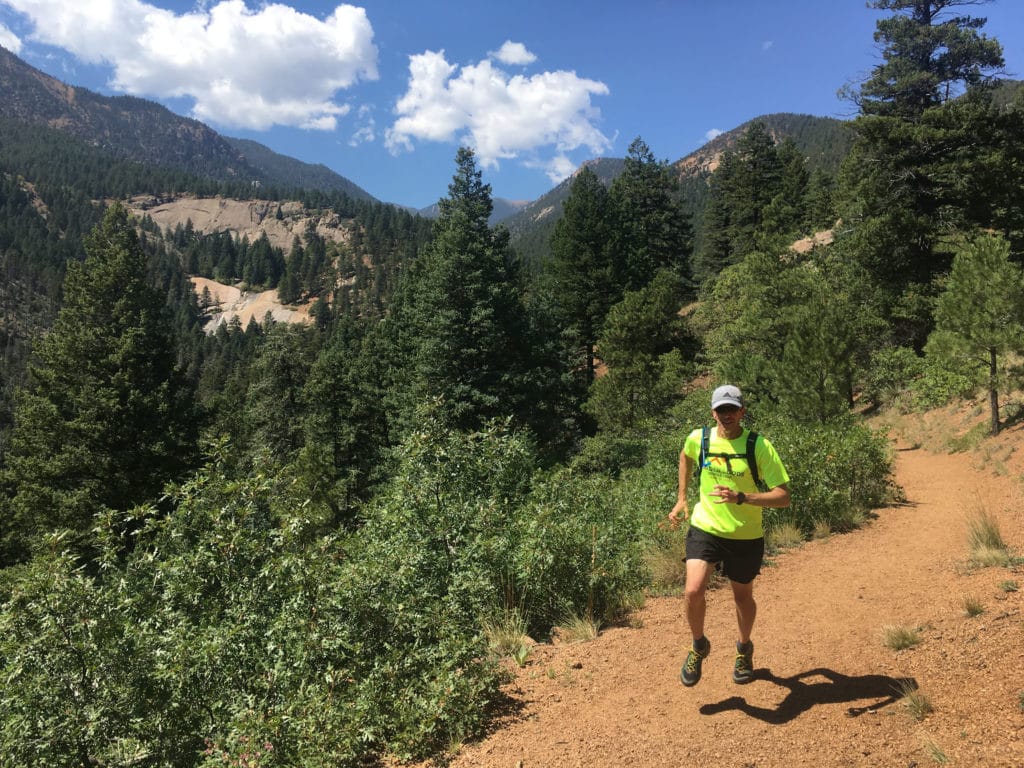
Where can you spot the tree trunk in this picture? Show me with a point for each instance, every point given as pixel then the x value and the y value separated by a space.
pixel 993 393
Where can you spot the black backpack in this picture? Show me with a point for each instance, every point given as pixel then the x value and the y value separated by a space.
pixel 705 454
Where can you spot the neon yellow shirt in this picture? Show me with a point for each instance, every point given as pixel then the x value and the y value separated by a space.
pixel 732 521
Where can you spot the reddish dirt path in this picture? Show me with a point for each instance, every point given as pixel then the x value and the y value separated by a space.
pixel 822 696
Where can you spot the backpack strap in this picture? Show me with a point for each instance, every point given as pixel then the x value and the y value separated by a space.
pixel 752 460
pixel 705 441
pixel 751 457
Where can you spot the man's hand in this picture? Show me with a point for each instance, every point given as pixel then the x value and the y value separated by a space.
pixel 679 512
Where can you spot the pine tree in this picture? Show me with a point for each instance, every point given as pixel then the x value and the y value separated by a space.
pixel 756 196
pixel 652 230
pixel 645 346
pixel 273 410
pixel 929 57
pixel 980 315
pixel 898 191
pixel 104 420
pixel 467 332
pixel 344 424
pixel 580 269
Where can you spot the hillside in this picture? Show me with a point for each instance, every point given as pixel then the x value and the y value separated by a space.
pixel 143 131
pixel 229 303
pixel 242 218
pixel 824 141
pixel 824 690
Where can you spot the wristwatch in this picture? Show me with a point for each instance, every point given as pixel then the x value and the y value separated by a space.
pixel 741 498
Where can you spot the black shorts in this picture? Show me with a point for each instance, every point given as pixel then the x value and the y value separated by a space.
pixel 738 559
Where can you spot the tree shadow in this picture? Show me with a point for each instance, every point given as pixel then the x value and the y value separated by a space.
pixel 831 688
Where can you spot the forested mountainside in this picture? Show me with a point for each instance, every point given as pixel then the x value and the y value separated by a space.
pixel 289 173
pixel 134 129
pixel 66 152
pixel 322 541
pixel 823 141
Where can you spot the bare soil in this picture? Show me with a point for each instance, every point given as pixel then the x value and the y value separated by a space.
pixel 243 218
pixel 827 689
pixel 231 302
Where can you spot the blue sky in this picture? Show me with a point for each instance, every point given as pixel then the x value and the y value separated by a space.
pixel 384 91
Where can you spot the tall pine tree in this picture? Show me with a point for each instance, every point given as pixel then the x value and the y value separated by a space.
pixel 104 421
pixel 580 271
pixel 899 191
pixel 465 327
pixel 652 229
pixel 980 316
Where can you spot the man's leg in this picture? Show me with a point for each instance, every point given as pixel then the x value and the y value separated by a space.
pixel 698 573
pixel 746 612
pixel 746 608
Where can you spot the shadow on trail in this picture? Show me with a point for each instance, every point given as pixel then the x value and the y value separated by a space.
pixel 835 688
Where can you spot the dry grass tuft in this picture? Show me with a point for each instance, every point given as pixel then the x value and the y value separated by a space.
pixel 972 606
pixel 667 568
pixel 987 546
pixel 900 638
pixel 506 634
pixel 579 629
pixel 935 752
pixel 917 703
pixel 783 537
pixel 822 530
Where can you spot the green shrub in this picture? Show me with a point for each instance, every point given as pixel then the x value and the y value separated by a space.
pixel 578 551
pixel 838 471
pixel 237 623
pixel 943 382
pixel 610 454
pixel 891 373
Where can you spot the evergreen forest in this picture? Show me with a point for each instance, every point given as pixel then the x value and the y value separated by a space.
pixel 321 544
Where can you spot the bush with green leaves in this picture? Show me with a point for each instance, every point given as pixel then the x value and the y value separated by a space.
pixel 891 375
pixel 839 471
pixel 943 382
pixel 235 625
pixel 80 680
pixel 469 520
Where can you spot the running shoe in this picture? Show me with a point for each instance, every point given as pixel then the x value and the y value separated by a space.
pixel 743 669
pixel 690 674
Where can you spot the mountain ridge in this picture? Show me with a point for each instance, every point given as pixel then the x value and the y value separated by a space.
pixel 144 131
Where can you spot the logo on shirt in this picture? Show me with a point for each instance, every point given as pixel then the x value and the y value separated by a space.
pixel 721 466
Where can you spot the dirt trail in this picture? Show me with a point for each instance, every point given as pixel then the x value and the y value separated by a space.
pixel 823 693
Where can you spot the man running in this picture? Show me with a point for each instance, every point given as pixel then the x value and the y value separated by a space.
pixel 725 527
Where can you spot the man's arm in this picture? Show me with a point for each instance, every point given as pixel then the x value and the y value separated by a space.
pixel 777 497
pixel 680 510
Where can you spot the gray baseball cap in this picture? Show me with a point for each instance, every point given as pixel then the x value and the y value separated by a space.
pixel 726 394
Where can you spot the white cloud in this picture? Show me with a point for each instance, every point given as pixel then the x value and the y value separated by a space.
pixel 367 130
pixel 513 54
pixel 558 168
pixel 9 40
pixel 242 68
pixel 767 45
pixel 713 133
pixel 498 115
